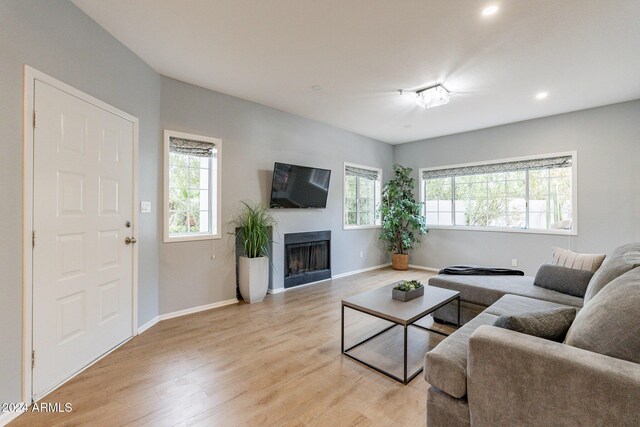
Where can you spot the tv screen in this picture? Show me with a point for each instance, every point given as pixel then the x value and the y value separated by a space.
pixel 299 186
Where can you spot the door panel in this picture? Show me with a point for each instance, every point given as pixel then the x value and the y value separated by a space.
pixel 82 268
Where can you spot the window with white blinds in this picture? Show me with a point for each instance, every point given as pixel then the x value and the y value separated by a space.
pixel 362 194
pixel 532 194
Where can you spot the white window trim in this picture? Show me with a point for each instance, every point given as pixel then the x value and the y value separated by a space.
pixel 574 197
pixel 344 193
pixel 199 236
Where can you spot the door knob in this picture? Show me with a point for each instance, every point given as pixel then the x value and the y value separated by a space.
pixel 130 240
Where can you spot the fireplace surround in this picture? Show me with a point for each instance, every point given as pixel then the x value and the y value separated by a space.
pixel 307 257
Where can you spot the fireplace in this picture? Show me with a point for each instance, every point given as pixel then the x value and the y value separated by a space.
pixel 307 257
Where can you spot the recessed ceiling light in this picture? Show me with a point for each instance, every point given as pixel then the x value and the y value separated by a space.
pixel 490 10
pixel 316 87
pixel 542 95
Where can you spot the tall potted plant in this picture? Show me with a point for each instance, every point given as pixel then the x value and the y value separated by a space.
pixel 402 220
pixel 253 228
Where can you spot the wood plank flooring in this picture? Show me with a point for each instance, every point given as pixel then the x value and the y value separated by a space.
pixel 273 363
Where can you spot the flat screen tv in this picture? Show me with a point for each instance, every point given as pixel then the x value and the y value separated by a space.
pixel 298 187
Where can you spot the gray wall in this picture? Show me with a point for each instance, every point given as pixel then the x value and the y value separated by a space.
pixel 58 39
pixel 253 138
pixel 607 140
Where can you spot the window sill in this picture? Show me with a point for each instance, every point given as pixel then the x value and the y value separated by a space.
pixel 359 227
pixel 554 232
pixel 191 238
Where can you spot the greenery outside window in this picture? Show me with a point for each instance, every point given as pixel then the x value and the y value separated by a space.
pixel 362 195
pixel 191 187
pixel 533 194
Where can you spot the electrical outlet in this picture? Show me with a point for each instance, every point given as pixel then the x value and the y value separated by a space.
pixel 145 207
pixel 361 254
pixel 514 262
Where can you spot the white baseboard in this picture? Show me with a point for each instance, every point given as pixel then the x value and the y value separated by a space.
pixel 362 270
pixel 197 309
pixel 149 324
pixel 179 313
pixel 422 267
pixel 7 417
pixel 276 291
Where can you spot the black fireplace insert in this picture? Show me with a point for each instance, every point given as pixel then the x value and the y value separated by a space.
pixel 307 257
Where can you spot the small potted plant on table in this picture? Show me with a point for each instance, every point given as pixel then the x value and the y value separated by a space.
pixel 408 290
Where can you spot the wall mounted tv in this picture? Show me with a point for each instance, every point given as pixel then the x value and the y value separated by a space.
pixel 296 186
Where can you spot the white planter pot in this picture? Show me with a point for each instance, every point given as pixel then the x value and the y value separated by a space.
pixel 254 278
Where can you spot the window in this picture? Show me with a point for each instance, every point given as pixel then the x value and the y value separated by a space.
pixel 533 194
pixel 191 187
pixel 362 194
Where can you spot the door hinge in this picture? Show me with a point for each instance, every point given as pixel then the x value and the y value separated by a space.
pixel 33 359
pixel 34 118
pixel 33 239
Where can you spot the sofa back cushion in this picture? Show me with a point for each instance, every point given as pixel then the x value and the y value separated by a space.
pixel 610 322
pixel 550 323
pixel 569 259
pixel 562 279
pixel 623 259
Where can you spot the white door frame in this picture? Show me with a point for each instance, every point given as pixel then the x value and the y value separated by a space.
pixel 30 77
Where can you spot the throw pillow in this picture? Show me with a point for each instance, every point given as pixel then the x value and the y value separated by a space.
pixel 623 259
pixel 562 279
pixel 569 259
pixel 551 324
pixel 610 323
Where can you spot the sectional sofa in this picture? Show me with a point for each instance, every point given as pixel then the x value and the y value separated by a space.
pixel 483 375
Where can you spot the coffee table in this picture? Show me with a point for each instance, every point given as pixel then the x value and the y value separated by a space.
pixel 378 303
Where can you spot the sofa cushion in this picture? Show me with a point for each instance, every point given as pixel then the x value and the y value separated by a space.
pixel 569 259
pixel 514 304
pixel 445 367
pixel 610 322
pixel 551 323
pixel 623 259
pixel 485 290
pixel 569 281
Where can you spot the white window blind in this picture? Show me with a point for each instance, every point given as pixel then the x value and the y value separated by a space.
pixel 191 148
pixel 519 165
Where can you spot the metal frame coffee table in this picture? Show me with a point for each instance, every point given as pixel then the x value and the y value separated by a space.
pixel 378 303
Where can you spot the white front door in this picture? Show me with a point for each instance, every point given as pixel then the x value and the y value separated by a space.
pixel 83 211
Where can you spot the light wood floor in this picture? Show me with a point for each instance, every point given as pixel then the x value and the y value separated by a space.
pixel 273 363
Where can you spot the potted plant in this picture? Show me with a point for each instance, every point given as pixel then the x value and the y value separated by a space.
pixel 253 228
pixel 402 220
pixel 407 290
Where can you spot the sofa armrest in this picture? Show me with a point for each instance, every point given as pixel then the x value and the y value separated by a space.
pixel 517 379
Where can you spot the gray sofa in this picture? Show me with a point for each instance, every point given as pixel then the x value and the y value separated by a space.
pixel 479 292
pixel 482 375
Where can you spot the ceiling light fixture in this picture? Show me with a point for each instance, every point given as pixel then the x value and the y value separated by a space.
pixel 432 96
pixel 316 87
pixel 542 95
pixel 490 10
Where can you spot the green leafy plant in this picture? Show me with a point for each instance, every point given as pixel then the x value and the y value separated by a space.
pixel 253 228
pixel 402 220
pixel 408 285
